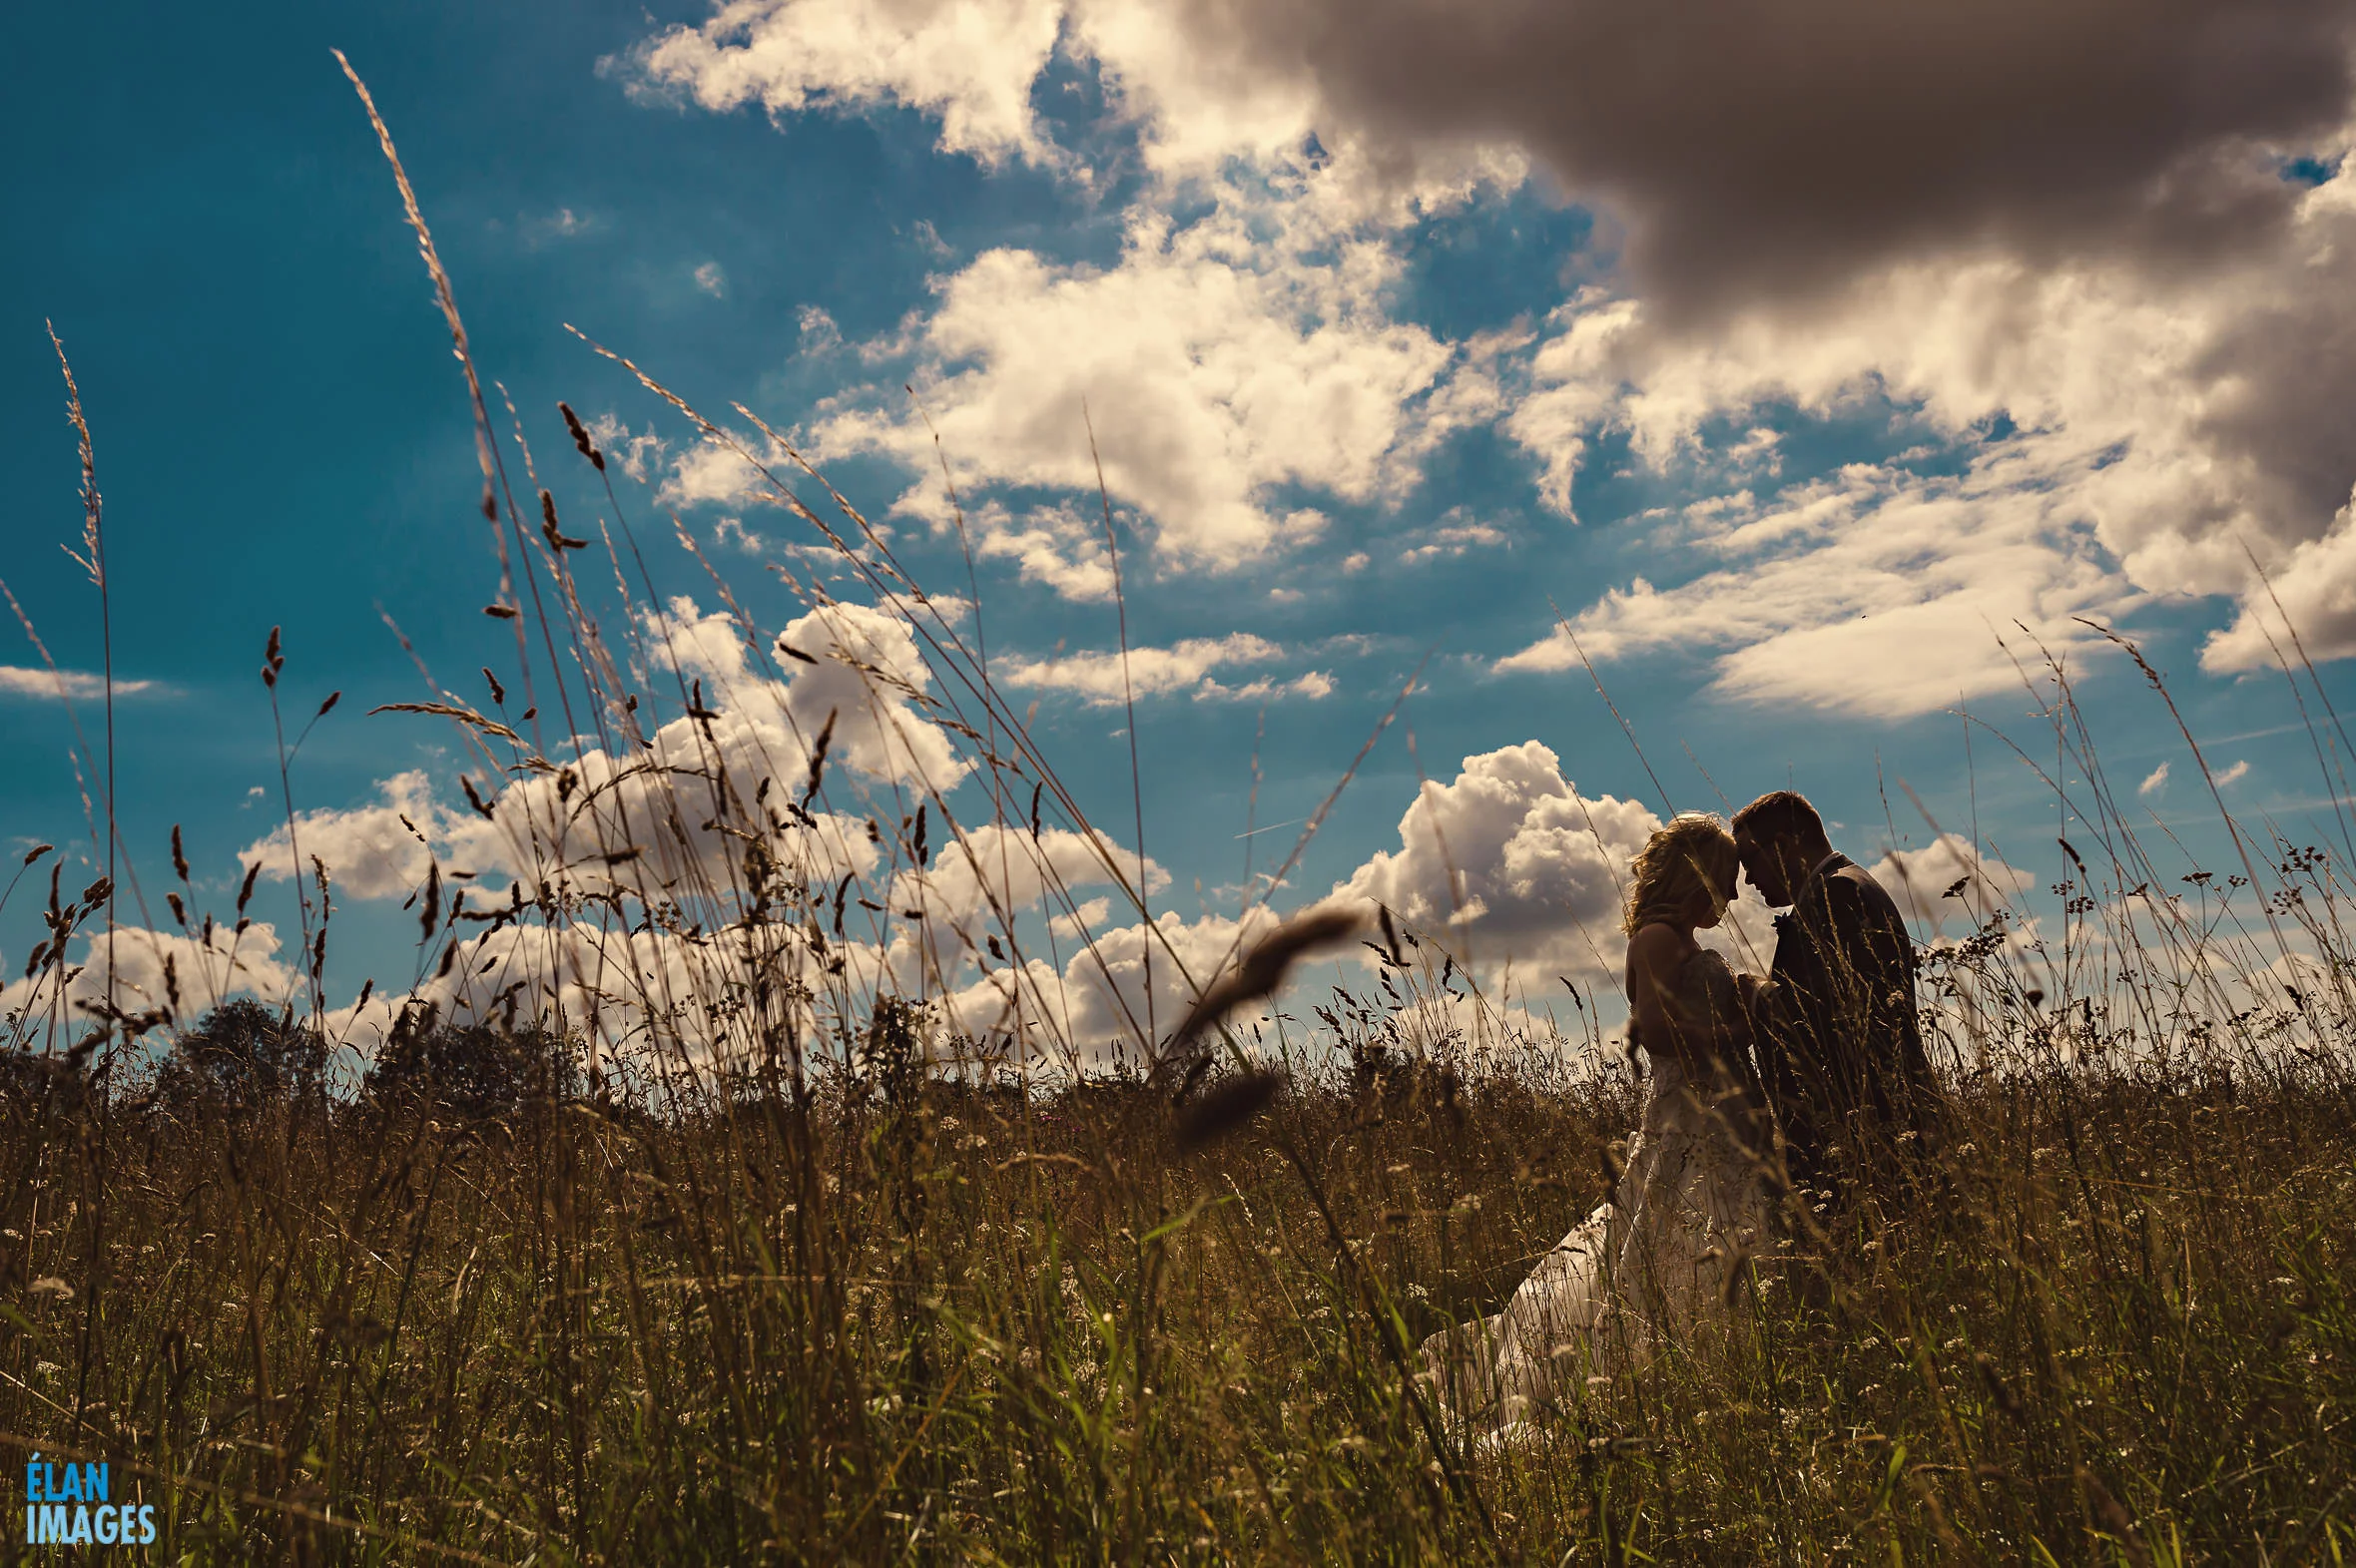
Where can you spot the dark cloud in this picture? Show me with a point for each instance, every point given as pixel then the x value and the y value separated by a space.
pixel 1769 150
pixel 2282 376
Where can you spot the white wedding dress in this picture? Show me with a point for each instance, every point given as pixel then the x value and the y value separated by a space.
pixel 1653 1260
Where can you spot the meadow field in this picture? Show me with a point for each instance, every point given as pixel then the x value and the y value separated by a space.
pixel 794 1266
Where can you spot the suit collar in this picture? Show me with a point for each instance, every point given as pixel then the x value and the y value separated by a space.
pixel 1800 895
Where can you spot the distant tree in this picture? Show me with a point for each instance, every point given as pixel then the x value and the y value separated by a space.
pixel 475 1070
pixel 241 1055
pixel 36 1083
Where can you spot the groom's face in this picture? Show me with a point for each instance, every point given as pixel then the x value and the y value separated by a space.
pixel 1763 863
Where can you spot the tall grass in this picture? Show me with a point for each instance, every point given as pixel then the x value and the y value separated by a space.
pixel 808 1271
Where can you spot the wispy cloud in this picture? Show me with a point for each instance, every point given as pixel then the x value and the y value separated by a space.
pixel 710 279
pixel 75 685
pixel 2234 774
pixel 2155 781
pixel 1456 532
pixel 1102 681
pixel 554 228
pixel 1875 590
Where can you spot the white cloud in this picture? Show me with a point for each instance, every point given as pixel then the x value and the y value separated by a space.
pixel 820 335
pixel 548 828
pixel 732 533
pixel 710 279
pixel 1084 917
pixel 563 224
pixel 74 684
pixel 637 456
pixel 974 64
pixel 635 988
pixel 1509 861
pixel 1456 532
pixel 1103 679
pixel 1218 360
pixel 1055 546
pixel 2314 587
pixel 716 471
pixel 643 992
pixel 970 62
pixel 370 851
pixel 2234 774
pixel 1920 880
pixel 206 968
pixel 1876 590
pixel 979 883
pixel 1101 1004
pixel 2153 781
pixel 2160 428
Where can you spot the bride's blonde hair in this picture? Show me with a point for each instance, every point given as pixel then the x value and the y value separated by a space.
pixel 1693 853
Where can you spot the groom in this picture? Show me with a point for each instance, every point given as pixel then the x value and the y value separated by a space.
pixel 1840 1052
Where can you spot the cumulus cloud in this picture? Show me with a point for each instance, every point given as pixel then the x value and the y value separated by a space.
pixel 2234 774
pixel 72 684
pixel 1128 984
pixel 370 851
pixel 1509 861
pixel 688 999
pixel 970 62
pixel 1054 546
pixel 1216 360
pixel 649 815
pixel 977 886
pixel 1948 879
pixel 699 966
pixel 2153 781
pixel 725 995
pixel 186 973
pixel 714 471
pixel 1105 679
pixel 2314 588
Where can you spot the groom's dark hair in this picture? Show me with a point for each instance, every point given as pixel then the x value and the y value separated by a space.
pixel 1781 816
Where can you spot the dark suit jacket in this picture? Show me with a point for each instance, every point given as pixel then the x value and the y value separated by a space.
pixel 1839 1049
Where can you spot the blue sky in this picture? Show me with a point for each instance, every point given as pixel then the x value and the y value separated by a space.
pixel 1364 401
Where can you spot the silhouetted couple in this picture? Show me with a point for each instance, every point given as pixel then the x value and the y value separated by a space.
pixel 1773 1101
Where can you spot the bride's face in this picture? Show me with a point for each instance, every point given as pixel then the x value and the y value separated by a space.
pixel 1709 905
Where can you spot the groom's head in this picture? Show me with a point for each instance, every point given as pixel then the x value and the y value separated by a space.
pixel 1779 838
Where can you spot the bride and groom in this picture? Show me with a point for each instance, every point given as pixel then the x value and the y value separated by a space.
pixel 1773 1094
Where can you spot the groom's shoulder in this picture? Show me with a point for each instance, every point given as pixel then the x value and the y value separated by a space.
pixel 1852 885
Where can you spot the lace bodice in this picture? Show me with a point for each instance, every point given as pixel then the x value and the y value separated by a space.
pixel 1704 1005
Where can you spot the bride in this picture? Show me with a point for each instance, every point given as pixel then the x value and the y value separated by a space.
pixel 1692 1198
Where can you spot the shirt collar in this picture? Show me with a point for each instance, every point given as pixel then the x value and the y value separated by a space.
pixel 1814 872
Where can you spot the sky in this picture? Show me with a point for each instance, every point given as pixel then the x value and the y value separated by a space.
pixel 1810 370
